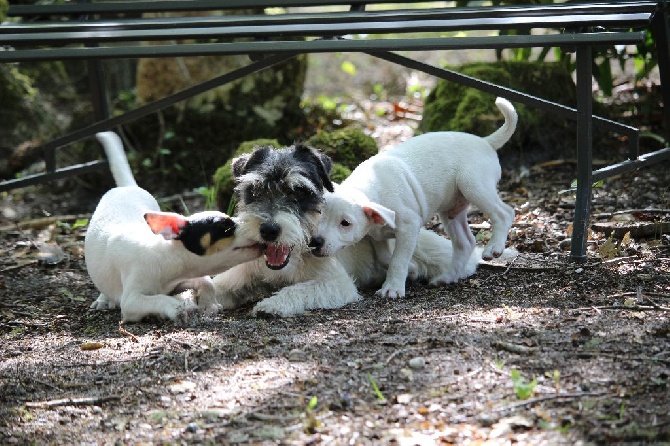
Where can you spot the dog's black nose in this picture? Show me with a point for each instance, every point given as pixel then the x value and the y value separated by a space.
pixel 316 242
pixel 270 231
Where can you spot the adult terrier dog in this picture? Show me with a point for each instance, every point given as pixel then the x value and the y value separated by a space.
pixel 136 254
pixel 280 196
pixel 395 192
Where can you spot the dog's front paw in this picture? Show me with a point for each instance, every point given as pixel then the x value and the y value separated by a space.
pixel 276 306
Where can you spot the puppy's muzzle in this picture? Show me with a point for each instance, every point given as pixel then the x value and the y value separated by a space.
pixel 316 245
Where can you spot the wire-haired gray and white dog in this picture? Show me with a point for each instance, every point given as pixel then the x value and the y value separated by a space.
pixel 279 199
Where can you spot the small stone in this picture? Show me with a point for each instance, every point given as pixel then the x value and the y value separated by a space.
pixel 417 363
pixel 192 428
pixel 579 270
pixel 296 355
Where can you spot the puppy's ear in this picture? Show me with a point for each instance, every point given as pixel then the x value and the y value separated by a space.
pixel 379 215
pixel 167 224
pixel 244 163
pixel 321 161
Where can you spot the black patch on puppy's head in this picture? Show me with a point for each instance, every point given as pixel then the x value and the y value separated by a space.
pixel 207 232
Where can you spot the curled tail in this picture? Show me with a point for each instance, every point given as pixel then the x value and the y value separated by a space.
pixel 118 162
pixel 498 138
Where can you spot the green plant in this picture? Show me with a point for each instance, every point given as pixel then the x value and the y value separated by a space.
pixel 210 196
pixel 522 389
pixel 311 423
pixel 375 388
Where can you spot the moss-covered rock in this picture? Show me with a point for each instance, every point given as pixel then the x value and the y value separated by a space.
pixel 339 172
pixel 539 135
pixel 349 146
pixel 224 183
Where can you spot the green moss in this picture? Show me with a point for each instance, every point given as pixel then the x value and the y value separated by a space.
pixel 348 146
pixel 339 172
pixel 4 5
pixel 540 135
pixel 224 183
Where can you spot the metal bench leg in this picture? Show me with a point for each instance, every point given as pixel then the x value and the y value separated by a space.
pixel 660 29
pixel 584 154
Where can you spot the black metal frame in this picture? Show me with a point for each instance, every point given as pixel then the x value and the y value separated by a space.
pixel 273 53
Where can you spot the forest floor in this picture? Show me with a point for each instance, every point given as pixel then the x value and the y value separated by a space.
pixel 538 350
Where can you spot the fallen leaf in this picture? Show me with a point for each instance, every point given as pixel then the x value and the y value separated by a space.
pixel 91 346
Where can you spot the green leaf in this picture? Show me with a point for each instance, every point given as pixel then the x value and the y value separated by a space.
pixel 348 68
pixel 80 223
pixel 312 403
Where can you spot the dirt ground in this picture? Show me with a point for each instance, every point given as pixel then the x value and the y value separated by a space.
pixel 538 350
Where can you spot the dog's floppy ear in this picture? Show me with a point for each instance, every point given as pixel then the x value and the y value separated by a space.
pixel 322 162
pixel 379 215
pixel 242 163
pixel 167 224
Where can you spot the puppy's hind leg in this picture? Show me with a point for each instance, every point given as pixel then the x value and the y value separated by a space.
pixel 482 191
pixel 502 217
pixel 463 243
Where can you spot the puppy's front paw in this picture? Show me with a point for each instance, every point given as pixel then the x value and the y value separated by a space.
pixel 391 290
pixel 103 303
pixel 181 313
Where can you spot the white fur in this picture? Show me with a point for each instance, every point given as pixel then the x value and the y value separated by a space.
pixel 135 269
pixel 395 192
pixel 306 283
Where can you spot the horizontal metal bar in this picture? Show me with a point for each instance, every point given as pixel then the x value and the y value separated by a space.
pixel 512 95
pixel 324 46
pixel 55 175
pixel 403 25
pixel 204 5
pixel 630 165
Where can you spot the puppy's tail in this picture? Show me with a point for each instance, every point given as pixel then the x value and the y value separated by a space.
pixel 118 162
pixel 498 138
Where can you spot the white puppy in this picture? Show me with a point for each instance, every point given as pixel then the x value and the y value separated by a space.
pixel 395 192
pixel 136 255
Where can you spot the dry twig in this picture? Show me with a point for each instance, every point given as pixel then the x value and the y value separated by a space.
pixel 86 401
pixel 125 332
pixel 542 399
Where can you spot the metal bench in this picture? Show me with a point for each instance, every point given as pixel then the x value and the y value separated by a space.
pixel 112 29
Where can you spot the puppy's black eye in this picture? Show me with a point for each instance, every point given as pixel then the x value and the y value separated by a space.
pixel 345 223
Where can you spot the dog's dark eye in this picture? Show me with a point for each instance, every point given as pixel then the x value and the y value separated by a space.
pixel 345 223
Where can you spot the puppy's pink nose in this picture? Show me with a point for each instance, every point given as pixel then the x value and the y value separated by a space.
pixel 270 231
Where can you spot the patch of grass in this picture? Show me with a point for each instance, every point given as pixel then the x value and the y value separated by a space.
pixel 522 389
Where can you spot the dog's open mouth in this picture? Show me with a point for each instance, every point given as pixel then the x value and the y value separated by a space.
pixel 277 256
